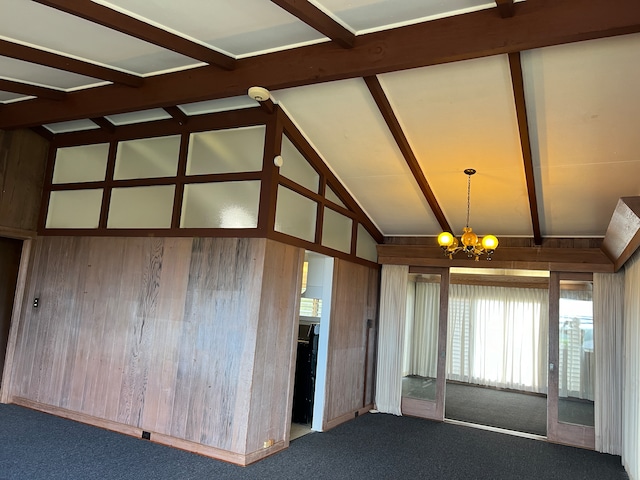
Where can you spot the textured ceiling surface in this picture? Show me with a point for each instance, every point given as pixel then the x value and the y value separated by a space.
pixel 580 98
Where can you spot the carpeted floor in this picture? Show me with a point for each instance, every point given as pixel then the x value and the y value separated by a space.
pixel 35 446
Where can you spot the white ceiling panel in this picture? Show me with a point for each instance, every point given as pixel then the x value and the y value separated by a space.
pixel 584 110
pixel 138 117
pixel 462 115
pixel 238 28
pixel 220 105
pixel 6 97
pixel 44 76
pixel 365 16
pixel 72 36
pixel 71 126
pixel 343 123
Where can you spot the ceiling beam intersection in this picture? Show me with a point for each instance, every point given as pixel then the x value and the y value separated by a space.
pixel 69 64
pixel 515 65
pixel 115 20
pixel 505 8
pixel 405 148
pixel 318 20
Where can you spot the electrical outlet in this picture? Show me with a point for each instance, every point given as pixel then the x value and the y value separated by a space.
pixel 146 435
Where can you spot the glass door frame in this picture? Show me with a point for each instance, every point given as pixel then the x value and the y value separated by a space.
pixel 434 410
pixel 558 432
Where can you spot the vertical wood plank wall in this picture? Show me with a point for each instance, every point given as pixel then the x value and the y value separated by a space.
pixel 355 300
pixel 189 339
pixel 23 158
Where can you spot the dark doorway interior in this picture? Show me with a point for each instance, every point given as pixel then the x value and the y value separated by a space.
pixel 10 251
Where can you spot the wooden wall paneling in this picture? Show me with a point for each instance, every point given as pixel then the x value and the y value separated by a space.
pixel 276 348
pixel 158 410
pixel 18 302
pixel 347 335
pixel 216 357
pixel 370 348
pixel 23 157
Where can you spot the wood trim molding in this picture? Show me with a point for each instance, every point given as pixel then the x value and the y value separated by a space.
pixel 536 258
pixel 623 233
pixel 539 23
pixel 189 446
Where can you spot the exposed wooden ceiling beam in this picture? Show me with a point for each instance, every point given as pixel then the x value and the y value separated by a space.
pixel 115 20
pixel 318 20
pixel 538 23
pixel 525 142
pixel 31 90
pixel 407 152
pixel 104 124
pixel 177 114
pixel 505 7
pixel 53 60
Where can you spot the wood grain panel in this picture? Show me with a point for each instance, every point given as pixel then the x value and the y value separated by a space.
pixel 346 362
pixel 176 336
pixel 23 157
pixel 276 346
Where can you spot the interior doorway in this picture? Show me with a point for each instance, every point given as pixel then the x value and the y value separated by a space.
pixel 497 349
pixel 311 358
pixel 10 253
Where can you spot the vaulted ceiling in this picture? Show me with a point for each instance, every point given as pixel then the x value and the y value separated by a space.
pixel 541 97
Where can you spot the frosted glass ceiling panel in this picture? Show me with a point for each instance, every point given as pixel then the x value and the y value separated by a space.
pixel 69 35
pixel 370 15
pixel 220 105
pixel 71 126
pixel 44 76
pixel 147 158
pixel 237 28
pixel 11 97
pixel 74 209
pixel 86 163
pixel 138 117
pixel 141 207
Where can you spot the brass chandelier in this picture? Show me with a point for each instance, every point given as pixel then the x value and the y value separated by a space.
pixel 469 242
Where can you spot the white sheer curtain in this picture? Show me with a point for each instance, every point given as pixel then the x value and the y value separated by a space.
pixel 608 309
pixel 498 336
pixel 631 368
pixel 408 327
pixel 421 331
pixel 393 304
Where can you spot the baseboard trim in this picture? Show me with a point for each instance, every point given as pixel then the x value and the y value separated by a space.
pixel 162 439
pixel 346 417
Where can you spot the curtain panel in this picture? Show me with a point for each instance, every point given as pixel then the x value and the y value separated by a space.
pixel 393 304
pixel 608 312
pixel 631 369
pixel 498 336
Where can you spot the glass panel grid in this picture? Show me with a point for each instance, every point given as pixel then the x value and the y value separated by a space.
pixel 74 209
pixel 295 214
pixel 295 167
pixel 141 207
pixel 85 163
pixel 336 231
pixel 226 151
pixel 221 205
pixel 147 158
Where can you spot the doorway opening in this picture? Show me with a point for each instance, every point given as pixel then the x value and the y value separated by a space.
pixel 497 347
pixel 311 358
pixel 10 253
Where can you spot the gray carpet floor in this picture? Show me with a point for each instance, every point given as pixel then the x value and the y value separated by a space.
pixel 35 445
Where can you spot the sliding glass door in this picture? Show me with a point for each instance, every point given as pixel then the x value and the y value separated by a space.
pixel 424 359
pixel 571 360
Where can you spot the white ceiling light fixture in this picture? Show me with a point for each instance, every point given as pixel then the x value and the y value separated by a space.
pixel 259 94
pixel 469 242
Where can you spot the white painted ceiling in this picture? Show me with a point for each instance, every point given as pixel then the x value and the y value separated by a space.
pixel 582 99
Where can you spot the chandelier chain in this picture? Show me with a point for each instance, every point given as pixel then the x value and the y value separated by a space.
pixel 468 197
